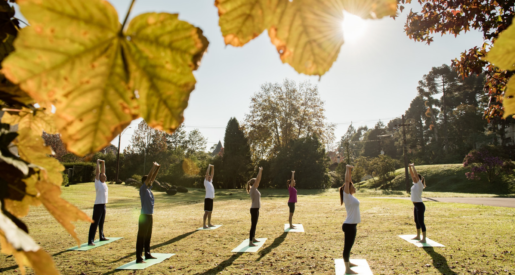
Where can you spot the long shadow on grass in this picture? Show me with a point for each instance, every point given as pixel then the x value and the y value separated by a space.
pixel 439 261
pixel 278 241
pixel 222 265
pixel 176 239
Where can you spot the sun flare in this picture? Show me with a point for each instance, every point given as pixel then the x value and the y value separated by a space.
pixel 353 27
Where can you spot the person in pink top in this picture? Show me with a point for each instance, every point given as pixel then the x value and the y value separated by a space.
pixel 293 197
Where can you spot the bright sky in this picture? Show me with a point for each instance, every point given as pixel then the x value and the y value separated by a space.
pixel 375 76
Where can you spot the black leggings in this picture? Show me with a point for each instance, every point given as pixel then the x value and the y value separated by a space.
pixel 144 235
pixel 99 215
pixel 418 212
pixel 254 216
pixel 350 236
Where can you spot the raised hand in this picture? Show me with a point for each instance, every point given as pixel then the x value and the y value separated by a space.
pixel 260 168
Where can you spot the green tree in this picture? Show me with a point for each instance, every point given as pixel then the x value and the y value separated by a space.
pixel 237 164
pixel 281 114
pixel 490 17
pixel 306 156
pixel 196 142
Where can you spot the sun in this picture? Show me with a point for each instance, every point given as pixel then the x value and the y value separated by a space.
pixel 353 27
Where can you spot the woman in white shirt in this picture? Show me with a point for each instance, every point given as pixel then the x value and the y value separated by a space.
pixel 349 226
pixel 99 209
pixel 419 183
pixel 210 196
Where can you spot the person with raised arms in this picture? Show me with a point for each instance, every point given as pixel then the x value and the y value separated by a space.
pixel 99 209
pixel 210 196
pixel 419 183
pixel 293 198
pixel 145 218
pixel 349 226
pixel 255 195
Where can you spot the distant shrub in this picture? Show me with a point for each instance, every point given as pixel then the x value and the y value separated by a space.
pixel 136 177
pixel 487 162
pixel 66 182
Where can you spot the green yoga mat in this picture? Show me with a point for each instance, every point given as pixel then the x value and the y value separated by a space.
pixel 362 268
pixel 298 228
pixel 133 265
pixel 210 228
pixel 85 246
pixel 428 243
pixel 244 246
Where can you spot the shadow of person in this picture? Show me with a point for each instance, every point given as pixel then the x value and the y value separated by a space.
pixel 439 261
pixel 220 267
pixel 275 244
pixel 176 239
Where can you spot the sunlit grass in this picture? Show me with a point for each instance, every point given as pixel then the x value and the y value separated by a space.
pixel 476 237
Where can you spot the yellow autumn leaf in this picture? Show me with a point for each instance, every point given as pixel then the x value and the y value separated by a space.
pixel 164 51
pixel 509 98
pixel 38 121
pixel 21 208
pixel 244 20
pixel 306 33
pixel 371 9
pixel 63 211
pixel 502 53
pixel 32 149
pixel 16 242
pixel 70 56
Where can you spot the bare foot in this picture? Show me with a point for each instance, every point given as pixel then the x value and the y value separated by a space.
pixel 350 271
pixel 255 241
pixel 292 227
pixel 351 264
pixel 251 244
pixel 422 241
pixel 211 225
pixel 205 227
pixel 416 238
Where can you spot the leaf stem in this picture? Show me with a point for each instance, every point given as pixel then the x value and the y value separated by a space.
pixel 127 16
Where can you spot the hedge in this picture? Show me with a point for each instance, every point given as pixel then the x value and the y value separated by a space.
pixel 81 171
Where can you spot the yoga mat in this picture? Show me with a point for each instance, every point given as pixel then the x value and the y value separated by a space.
pixel 429 243
pixel 298 228
pixel 210 228
pixel 133 265
pixel 244 246
pixel 362 268
pixel 85 246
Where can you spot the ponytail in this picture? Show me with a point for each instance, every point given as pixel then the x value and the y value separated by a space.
pixel 341 193
pixel 249 184
pixel 422 179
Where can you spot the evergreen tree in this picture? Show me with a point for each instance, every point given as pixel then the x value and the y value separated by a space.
pixel 237 164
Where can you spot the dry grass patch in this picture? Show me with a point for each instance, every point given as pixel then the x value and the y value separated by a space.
pixel 477 238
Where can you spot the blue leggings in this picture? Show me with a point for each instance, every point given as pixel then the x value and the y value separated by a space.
pixel 418 212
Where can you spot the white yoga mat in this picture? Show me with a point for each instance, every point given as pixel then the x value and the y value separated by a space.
pixel 210 228
pixel 133 265
pixel 298 228
pixel 429 242
pixel 362 268
pixel 98 243
pixel 244 246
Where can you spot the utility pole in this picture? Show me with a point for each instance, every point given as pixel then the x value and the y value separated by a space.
pixel 404 152
pixel 118 156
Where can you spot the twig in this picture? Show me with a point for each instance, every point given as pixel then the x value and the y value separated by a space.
pixel 127 17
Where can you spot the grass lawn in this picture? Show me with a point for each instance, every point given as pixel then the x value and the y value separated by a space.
pixel 477 238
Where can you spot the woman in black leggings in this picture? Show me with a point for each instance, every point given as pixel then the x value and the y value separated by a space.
pixel 419 183
pixel 349 227
pixel 252 189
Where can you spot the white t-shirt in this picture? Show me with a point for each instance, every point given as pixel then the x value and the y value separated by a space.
pixel 416 191
pixel 101 188
pixel 210 189
pixel 352 207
